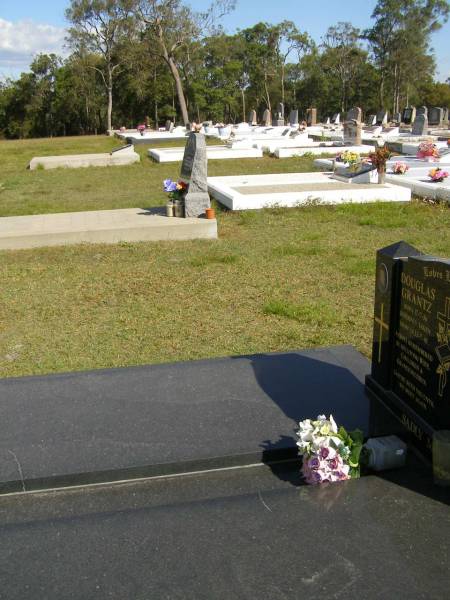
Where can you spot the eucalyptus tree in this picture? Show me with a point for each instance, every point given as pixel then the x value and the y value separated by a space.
pixel 400 43
pixel 101 27
pixel 172 29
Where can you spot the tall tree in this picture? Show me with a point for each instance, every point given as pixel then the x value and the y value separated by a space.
pixel 399 42
pixel 101 27
pixel 171 27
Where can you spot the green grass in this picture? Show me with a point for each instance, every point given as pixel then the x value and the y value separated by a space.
pixel 275 280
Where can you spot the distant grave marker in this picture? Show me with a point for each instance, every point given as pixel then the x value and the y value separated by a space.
pixel 194 172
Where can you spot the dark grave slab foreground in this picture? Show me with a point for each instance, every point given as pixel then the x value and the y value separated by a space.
pixel 108 425
pixel 241 534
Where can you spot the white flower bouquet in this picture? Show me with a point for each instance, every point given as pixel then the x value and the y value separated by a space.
pixel 329 453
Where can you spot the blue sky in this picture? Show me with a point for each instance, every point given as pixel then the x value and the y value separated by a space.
pixel 31 26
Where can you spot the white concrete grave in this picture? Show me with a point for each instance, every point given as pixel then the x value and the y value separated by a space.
pixel 165 155
pixel 246 192
pixel 318 148
pixel 119 157
pixel 135 137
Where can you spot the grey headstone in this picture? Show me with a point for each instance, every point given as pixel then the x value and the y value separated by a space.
pixel 252 118
pixel 420 125
pixel 397 117
pixel 171 126
pixel 167 125
pixel 336 119
pixel 293 118
pixel 311 116
pixel 435 116
pixel 445 117
pixel 354 114
pixel 371 120
pixel 409 115
pixel 422 110
pixel 353 133
pixel 382 117
pixel 267 118
pixel 194 171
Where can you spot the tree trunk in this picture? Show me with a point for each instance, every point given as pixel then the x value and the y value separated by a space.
pixel 282 82
pixel 179 88
pixel 243 104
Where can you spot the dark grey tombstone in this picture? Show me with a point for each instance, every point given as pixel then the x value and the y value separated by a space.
pixel 435 116
pixel 371 120
pixel 409 115
pixel 167 125
pixel 411 341
pixel 336 119
pixel 354 114
pixel 352 133
pixel 445 118
pixel 278 121
pixel 252 119
pixel 397 117
pixel 382 117
pixel 267 118
pixel 293 118
pixel 311 116
pixel 422 110
pixel 420 125
pixel 194 172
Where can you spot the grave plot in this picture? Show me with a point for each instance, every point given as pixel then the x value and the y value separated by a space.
pixel 179 133
pixel 121 156
pixel 164 155
pixel 319 148
pixel 245 192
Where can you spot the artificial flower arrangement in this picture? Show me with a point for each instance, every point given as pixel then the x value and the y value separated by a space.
pixel 379 158
pixel 141 128
pixel 400 168
pixel 175 189
pixel 437 175
pixel 329 453
pixel 428 150
pixel 348 157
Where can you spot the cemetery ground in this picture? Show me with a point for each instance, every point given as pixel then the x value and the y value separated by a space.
pixel 276 279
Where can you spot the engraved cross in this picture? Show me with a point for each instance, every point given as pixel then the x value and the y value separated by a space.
pixel 380 321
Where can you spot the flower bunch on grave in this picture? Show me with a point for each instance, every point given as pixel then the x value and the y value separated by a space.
pixel 348 157
pixel 329 453
pixel 400 168
pixel 141 128
pixel 437 175
pixel 175 189
pixel 379 158
pixel 428 150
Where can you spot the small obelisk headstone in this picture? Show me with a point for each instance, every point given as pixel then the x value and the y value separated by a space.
pixel 194 172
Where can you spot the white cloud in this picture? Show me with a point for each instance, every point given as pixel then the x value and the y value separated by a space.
pixel 20 41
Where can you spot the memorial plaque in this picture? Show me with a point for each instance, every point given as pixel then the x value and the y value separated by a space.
pixel 382 117
pixel 194 171
pixel 436 116
pixel 411 343
pixel 409 115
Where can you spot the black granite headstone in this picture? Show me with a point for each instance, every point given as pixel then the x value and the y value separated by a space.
pixel 411 343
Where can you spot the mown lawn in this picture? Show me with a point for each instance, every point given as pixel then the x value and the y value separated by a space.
pixel 275 280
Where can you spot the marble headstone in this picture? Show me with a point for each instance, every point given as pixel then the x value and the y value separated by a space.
pixel 409 115
pixel 420 125
pixel 411 341
pixel 267 118
pixel 194 172
pixel 252 119
pixel 311 116
pixel 353 133
pixel 293 118
pixel 354 114
pixel 422 110
pixel 371 120
pixel 435 116
pixel 382 117
pixel 336 119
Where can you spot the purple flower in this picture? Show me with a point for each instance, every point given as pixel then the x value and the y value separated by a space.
pixel 314 478
pixel 314 462
pixel 333 463
pixel 324 452
pixel 169 185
